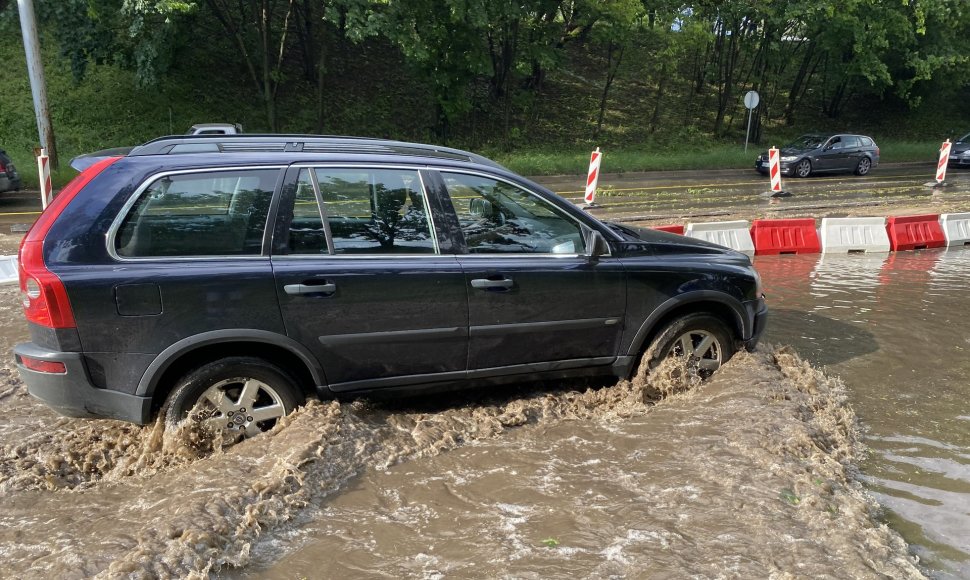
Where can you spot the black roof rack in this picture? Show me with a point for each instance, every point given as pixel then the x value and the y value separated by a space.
pixel 275 143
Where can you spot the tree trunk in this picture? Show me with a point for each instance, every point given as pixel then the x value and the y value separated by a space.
pixel 611 70
pixel 655 118
pixel 268 97
pixel 796 89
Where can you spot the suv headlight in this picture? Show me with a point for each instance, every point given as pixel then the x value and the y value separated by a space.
pixel 789 158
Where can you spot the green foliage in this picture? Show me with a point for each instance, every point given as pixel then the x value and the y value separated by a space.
pixel 539 83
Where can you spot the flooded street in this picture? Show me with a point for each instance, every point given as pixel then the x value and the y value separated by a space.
pixel 747 475
pixel 761 472
pixel 676 197
pixel 893 327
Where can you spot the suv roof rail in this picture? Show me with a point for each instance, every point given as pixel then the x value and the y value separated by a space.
pixel 282 143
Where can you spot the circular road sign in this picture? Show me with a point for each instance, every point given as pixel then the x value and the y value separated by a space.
pixel 751 99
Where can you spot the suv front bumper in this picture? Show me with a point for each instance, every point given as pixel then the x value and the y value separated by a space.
pixel 758 312
pixel 71 393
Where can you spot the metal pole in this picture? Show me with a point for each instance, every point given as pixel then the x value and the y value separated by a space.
pixel 748 131
pixel 35 69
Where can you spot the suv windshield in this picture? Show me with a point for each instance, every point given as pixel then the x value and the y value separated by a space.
pixel 806 142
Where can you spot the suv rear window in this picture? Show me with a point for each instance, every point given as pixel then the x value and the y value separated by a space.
pixel 217 213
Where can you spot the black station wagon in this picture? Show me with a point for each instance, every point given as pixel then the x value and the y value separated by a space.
pixel 813 153
pixel 228 278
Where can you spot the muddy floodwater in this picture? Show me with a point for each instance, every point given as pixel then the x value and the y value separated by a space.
pixel 755 473
pixel 895 328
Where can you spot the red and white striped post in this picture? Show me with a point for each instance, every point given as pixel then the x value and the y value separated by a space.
pixel 941 165
pixel 774 170
pixel 44 172
pixel 593 177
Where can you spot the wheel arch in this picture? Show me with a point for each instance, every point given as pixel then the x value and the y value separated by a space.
pixel 190 352
pixel 718 304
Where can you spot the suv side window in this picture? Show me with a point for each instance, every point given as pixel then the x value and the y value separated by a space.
pixel 851 142
pixel 307 232
pixel 375 211
pixel 498 217
pixel 215 213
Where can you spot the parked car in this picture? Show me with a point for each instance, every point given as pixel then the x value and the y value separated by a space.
pixel 960 152
pixel 228 278
pixel 816 153
pixel 9 178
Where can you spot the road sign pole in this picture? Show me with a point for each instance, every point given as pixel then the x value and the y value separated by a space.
pixel 751 99
pixel 748 132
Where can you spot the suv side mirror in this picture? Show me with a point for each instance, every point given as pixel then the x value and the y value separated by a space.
pixel 596 245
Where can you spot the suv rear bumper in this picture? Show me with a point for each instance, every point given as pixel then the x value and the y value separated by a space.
pixel 72 394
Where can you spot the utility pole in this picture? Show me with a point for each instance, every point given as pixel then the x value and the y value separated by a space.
pixel 38 88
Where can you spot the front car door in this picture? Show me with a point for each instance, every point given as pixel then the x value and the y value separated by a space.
pixel 536 301
pixel 362 280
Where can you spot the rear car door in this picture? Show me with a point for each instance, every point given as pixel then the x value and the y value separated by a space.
pixel 535 300
pixel 185 257
pixel 362 281
pixel 852 152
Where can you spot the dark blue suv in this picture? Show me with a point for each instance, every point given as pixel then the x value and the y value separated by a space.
pixel 227 278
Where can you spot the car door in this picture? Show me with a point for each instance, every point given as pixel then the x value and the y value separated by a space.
pixel 831 157
pixel 851 152
pixel 362 281
pixel 535 300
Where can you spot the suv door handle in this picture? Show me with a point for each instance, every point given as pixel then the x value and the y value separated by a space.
pixel 302 289
pixel 486 284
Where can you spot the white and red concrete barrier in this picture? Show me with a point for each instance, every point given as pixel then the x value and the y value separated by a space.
pixel 791 236
pixel 833 235
pixel 956 228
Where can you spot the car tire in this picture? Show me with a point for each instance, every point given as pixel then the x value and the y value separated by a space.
pixel 238 396
pixel 865 164
pixel 803 168
pixel 712 343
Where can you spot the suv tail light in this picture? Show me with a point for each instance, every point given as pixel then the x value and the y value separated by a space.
pixel 44 296
pixel 3 168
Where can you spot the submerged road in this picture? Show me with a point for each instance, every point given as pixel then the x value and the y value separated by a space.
pixel 892 326
pixel 663 197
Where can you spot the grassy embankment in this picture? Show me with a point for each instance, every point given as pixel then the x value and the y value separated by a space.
pixel 550 161
pixel 106 109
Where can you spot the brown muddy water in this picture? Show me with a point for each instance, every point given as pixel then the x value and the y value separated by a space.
pixel 895 328
pixel 753 474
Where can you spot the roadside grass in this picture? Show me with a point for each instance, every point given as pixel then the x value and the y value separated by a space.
pixel 571 161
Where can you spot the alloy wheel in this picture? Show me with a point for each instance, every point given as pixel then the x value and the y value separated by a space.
pixel 702 349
